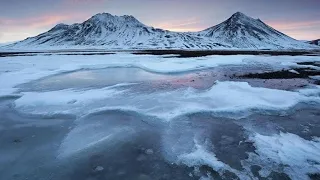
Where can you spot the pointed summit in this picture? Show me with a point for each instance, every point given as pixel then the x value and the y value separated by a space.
pixel 239 15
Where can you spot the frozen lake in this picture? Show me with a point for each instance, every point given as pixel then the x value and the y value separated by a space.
pixel 125 116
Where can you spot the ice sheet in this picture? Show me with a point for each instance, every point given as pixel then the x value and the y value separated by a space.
pixel 297 154
pixel 22 69
pixel 18 70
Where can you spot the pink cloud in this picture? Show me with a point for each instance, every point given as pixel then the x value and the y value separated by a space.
pixel 18 29
pixel 33 22
pixel 72 3
pixel 306 30
pixel 284 25
pixel 52 18
pixel 39 22
pixel 180 25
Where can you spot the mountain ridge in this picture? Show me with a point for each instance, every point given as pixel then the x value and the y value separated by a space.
pixel 126 32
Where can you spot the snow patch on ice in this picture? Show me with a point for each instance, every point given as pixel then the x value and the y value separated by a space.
pixel 298 156
pixel 310 91
pixel 200 156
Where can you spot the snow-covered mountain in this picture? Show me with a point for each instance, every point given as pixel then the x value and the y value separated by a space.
pixel 114 32
pixel 241 31
pixel 315 42
pixel 126 32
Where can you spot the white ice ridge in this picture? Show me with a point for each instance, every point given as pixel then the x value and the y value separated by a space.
pixel 298 156
pixel 221 97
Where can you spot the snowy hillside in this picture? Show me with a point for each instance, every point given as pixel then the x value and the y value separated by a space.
pixel 114 32
pixel 242 31
pixel 126 32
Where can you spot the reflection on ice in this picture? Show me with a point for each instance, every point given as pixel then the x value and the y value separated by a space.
pixel 100 78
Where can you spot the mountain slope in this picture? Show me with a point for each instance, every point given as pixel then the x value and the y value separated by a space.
pixel 126 32
pixel 115 32
pixel 241 31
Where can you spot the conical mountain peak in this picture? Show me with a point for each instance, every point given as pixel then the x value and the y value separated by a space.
pixel 239 15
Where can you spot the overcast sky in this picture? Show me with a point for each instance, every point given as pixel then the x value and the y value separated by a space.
pixel 19 19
